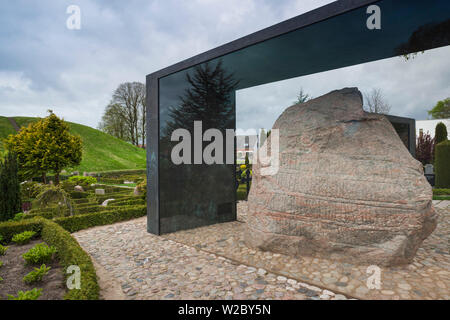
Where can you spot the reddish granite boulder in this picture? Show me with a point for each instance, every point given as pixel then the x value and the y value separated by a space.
pixel 346 189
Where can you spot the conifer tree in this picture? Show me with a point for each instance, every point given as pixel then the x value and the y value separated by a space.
pixel 10 203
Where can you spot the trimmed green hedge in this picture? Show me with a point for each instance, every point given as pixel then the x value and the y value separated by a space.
pixel 9 229
pixel 120 173
pixel 441 162
pixel 127 202
pixel 85 221
pixel 441 192
pixel 69 253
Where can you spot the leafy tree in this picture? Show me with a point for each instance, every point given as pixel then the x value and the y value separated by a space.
pixel 424 149
pixel 114 122
pixel 125 116
pixel 302 97
pixel 441 110
pixel 63 149
pixel 30 150
pixel 10 203
pixel 46 146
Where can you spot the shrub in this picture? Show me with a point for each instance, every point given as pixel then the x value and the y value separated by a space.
pixel 29 190
pixel 442 167
pixel 440 133
pixel 1 279
pixel 83 181
pixel 3 250
pixel 18 216
pixel 1 264
pixel 37 275
pixel 142 187
pixel 27 295
pixel 1 239
pixel 424 148
pixel 23 238
pixel 40 253
pixel 78 195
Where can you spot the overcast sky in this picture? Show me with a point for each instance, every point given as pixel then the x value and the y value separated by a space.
pixel 44 65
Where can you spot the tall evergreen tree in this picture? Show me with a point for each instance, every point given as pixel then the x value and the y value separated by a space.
pixel 208 99
pixel 440 133
pixel 10 203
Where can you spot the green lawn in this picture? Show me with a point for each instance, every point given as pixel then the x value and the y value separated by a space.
pixel 101 152
pixel 5 130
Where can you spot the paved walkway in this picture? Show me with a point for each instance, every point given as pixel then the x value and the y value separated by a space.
pixel 214 263
pixel 145 266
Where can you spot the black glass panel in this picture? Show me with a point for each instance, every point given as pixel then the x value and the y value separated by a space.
pixel 193 195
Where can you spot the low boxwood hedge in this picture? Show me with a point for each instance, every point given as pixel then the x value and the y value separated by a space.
pixel 127 202
pixel 113 215
pixel 441 192
pixel 69 253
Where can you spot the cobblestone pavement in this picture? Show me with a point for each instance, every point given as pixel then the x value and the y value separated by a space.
pixel 150 267
pixel 214 263
pixel 428 277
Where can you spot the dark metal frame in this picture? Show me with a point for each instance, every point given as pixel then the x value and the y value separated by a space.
pixel 309 18
pixel 412 131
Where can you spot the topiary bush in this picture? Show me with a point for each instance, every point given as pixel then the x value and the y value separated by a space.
pixel 442 165
pixel 441 134
pixel 40 253
pixel 23 238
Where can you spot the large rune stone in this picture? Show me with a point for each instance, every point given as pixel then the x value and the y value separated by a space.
pixel 346 189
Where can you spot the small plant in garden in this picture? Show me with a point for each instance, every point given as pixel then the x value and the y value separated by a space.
pixel 23 238
pixel 37 274
pixel 40 253
pixel 1 264
pixel 1 279
pixel 3 250
pixel 27 295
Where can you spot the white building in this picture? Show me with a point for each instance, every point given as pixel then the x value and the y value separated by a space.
pixel 429 126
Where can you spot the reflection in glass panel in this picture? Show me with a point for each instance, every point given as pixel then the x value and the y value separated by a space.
pixel 199 194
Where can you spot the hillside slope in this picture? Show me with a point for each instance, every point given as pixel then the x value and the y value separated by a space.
pixel 101 151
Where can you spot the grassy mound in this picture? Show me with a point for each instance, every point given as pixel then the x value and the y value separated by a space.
pixel 101 151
